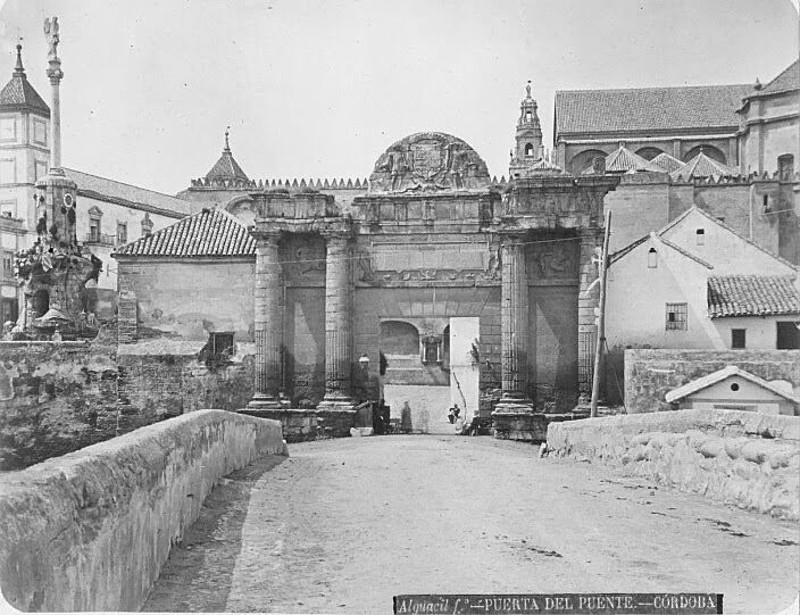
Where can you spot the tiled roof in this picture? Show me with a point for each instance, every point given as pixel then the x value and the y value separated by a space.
pixel 226 168
pixel 623 160
pixel 19 94
pixel 788 80
pixel 666 162
pixel 718 376
pixel 752 295
pixel 210 232
pixel 105 189
pixel 703 166
pixel 598 111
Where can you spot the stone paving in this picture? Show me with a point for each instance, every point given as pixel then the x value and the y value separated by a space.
pixel 343 525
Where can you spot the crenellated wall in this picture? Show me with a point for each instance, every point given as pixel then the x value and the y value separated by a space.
pixel 90 531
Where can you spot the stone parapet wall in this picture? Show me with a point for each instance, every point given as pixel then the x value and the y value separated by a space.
pixel 746 459
pixel 651 374
pixel 90 531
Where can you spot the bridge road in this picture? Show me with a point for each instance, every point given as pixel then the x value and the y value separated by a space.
pixel 343 525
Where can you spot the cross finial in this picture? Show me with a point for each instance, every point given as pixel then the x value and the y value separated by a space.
pixel 528 89
pixel 227 144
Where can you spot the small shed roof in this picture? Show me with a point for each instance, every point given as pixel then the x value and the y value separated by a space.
pixel 718 376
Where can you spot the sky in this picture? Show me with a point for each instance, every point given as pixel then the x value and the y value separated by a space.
pixel 316 88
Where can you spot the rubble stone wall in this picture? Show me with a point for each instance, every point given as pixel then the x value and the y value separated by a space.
pixel 90 531
pixel 651 374
pixel 747 459
pixel 55 397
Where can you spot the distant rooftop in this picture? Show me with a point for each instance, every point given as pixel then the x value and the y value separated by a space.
pixel 643 109
pixel 104 189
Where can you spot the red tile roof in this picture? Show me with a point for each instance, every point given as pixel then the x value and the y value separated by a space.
pixel 666 162
pixel 642 109
pixel 211 232
pixel 226 168
pixel 623 160
pixel 752 295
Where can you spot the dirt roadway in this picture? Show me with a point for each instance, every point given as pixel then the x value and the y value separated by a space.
pixel 343 525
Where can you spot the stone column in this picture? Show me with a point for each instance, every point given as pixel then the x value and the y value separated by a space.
pixel 590 239
pixel 513 417
pixel 268 324
pixel 338 319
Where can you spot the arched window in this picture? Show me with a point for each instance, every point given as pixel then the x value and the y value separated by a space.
pixel 648 153
pixel 399 338
pixel 708 150
pixel 528 149
pixel 581 161
pixel 528 116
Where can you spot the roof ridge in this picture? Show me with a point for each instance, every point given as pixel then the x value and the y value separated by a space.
pixel 108 179
pixel 685 252
pixel 694 206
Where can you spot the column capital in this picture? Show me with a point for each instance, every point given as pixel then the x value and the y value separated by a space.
pixel 337 230
pixel 266 236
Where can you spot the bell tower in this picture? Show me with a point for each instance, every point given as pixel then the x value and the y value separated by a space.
pixel 529 135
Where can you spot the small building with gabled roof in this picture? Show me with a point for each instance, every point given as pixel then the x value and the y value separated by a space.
pixel 732 388
pixel 190 279
pixel 698 284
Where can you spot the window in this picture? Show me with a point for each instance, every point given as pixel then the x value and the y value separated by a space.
pixel 528 116
pixel 8 171
pixel 785 167
pixel 529 149
pixel 788 336
pixel 677 317
pixel 738 338
pixel 8 209
pixel 94 230
pixel 8 129
pixel 39 132
pixel 8 265
pixel 701 236
pixel 652 258
pixel 122 232
pixel 40 169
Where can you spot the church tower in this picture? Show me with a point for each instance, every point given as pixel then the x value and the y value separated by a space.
pixel 529 136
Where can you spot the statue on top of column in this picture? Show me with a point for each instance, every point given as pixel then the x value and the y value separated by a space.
pixel 51 32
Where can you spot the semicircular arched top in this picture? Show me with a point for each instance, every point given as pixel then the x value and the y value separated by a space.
pixel 429 161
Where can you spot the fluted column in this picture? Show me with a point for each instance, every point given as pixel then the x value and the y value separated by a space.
pixel 513 417
pixel 338 323
pixel 514 319
pixel 268 323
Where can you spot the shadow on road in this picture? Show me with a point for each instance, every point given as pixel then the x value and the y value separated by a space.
pixel 212 543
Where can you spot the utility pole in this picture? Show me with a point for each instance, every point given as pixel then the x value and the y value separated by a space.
pixel 601 320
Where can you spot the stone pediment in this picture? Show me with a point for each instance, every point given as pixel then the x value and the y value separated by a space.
pixel 429 162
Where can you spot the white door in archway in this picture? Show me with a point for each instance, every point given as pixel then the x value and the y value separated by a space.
pixel 464 364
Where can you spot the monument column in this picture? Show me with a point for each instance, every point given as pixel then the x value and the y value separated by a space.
pixel 268 323
pixel 338 322
pixel 513 417
pixel 590 241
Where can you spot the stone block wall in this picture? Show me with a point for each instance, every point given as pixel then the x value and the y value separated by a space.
pixel 90 531
pixel 55 397
pixel 650 374
pixel 301 425
pixel 746 459
pixel 163 378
